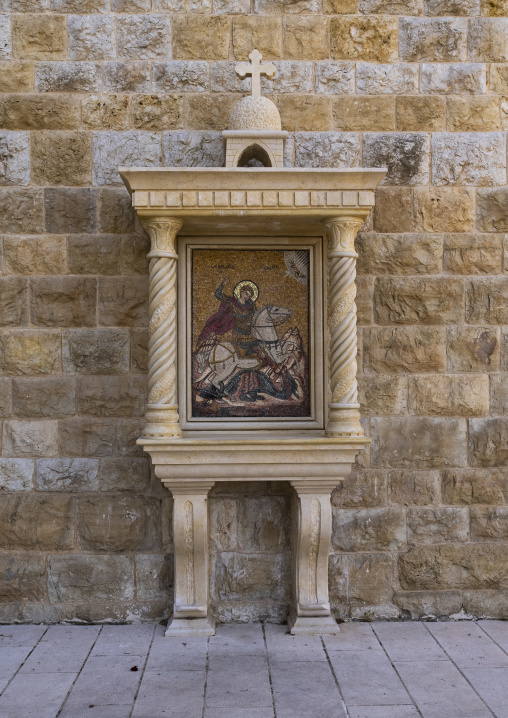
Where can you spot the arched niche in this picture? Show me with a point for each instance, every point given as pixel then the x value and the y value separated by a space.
pixel 256 154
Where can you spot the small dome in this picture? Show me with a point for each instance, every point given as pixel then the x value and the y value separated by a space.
pixel 254 113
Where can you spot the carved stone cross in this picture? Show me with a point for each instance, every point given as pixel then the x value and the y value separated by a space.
pixel 256 69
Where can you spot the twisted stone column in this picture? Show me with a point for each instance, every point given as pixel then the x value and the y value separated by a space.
pixel 162 421
pixel 343 409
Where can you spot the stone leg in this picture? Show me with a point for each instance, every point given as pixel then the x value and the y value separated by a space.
pixel 312 521
pixel 191 615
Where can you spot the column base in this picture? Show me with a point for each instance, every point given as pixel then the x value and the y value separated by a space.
pixel 191 627
pixel 312 625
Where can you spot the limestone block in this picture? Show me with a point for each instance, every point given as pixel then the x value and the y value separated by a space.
pixel 139 351
pixel 473 114
pixel 429 604
pixel 22 211
pixel 61 158
pixel 131 149
pixel 123 301
pixel 125 475
pixel 499 78
pixel 250 577
pixel 364 113
pixel 39 37
pixel 416 114
pixel 499 394
pixel 453 79
pixel 290 77
pixel 488 442
pixel 486 300
pixel 152 112
pixel 382 395
pixel 306 38
pixel 91 37
pixel 485 604
pixel 208 112
pixel 504 114
pixel 335 78
pixel 488 39
pixel 360 579
pixel 382 529
pixel 468 158
pixel 394 209
pixel 473 349
pixel 16 76
pixel 119 523
pixel 5 37
pixel 371 39
pixel 14 158
pixel 130 6
pixel 433 40
pixel 111 396
pixel 94 254
pixel 475 486
pixel 44 254
pixel 63 301
pixel 116 214
pixel 418 300
pixel 81 577
pixel 413 488
pixel 391 7
pixel 364 296
pixel 39 112
pixel 128 432
pixel 489 523
pixel 154 576
pixel 327 149
pixel 418 442
pixel 340 7
pixel 264 524
pixel 492 210
pixel 13 301
pixel 70 210
pixel 460 395
pixel 87 437
pixel 473 253
pixel 504 360
pixel 5 398
pixel 95 351
pixel 494 8
pixel 30 438
pixel 437 525
pixel 25 5
pixel 22 576
pixel 444 209
pixel 134 254
pixel 263 33
pixel 407 156
pixel 231 7
pixel 282 6
pixel 30 351
pixel 223 78
pixel 201 38
pixel 389 350
pixel 80 6
pixel 223 514
pixel 454 567
pixel 16 474
pixel 397 78
pixel 43 398
pixel 193 149
pixel 67 475
pixel 143 37
pixel 108 112
pixel 452 7
pixel 126 76
pixel 180 76
pixel 361 489
pixel 194 6
pixel 399 253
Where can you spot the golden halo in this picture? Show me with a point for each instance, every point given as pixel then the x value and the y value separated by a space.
pixel 246 283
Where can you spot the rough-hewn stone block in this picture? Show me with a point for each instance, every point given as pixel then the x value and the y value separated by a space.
pixel 119 523
pixel 116 214
pixel 485 604
pixel 78 577
pixel 30 438
pixel 429 604
pixel 473 349
pixel 16 474
pixel 63 301
pixel 499 394
pixel 80 6
pixel 22 576
pixel 393 211
pixel 489 522
pixel 475 486
pixel 432 40
pixel 38 112
pixel 399 253
pixel 134 254
pixel 368 529
pixel 306 38
pixel 418 301
pixel 467 158
pixel 95 254
pixel 407 156
pixel 193 149
pixel 143 37
pixel 382 395
pixel 280 6
pixel 87 437
pixel 290 77
pixel 360 579
pixel 39 37
pixel 327 149
pixel 67 475
pixel 181 6
pixel 105 112
pixel 123 301
pixel 70 211
pixel 306 112
pixel 452 7
pixel 16 76
pixel 180 76
pixel 68 77
pixel 231 7
pixel 5 398
pixel 131 5
pixel 5 37
pixel 498 81
pixel 420 114
pixel 91 37
pixel 488 442
pixel 374 79
pixel 335 78
pixel 201 38
pixel 418 442
pixel 45 254
pixel 486 300
pixel 403 350
pixel 125 475
pixel 44 398
pixel 460 395
pixel 444 209
pixel 364 297
pixel 154 576
pixel 263 524
pixel 340 7
pixel 14 158
pixel 130 149
pixel 473 253
pixel 13 301
pixel 128 432
pixel 22 211
pixel 473 114
pixel 126 76
pixel 361 489
pixel 249 577
pixel 36 522
pixel 453 79
pixel 437 525
pixel 61 158
pixel 95 351
pixel 111 396
pixel 30 351
pixel 139 351
pixel 372 39
pixel 391 7
pixel 488 39
pixel 413 488
pixel 492 210
pixel 364 113
pixel 152 112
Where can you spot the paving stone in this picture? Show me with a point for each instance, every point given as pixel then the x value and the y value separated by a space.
pixel 379 684
pixel 295 687
pixel 67 475
pixel 432 40
pixel 468 646
pixel 490 683
pixel 184 692
pixel 14 158
pixel 383 711
pixel 407 156
pixel 353 637
pixel 50 689
pixel 249 675
pixel 62 649
pixel 242 639
pixel 91 37
pixel 126 76
pixel 453 79
pixel 16 475
pixel 465 158
pixel 68 77
pixel 373 79
pixel 408 642
pixel 10 661
pixel 124 640
pixel 129 149
pixel 282 647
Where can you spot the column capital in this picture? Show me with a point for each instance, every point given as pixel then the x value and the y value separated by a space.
pixel 341 233
pixel 162 232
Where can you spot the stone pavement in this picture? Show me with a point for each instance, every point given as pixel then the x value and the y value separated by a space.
pixel 371 670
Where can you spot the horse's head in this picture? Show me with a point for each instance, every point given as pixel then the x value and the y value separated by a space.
pixel 277 315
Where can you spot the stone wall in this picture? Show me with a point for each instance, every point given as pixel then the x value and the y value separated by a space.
pixel 418 85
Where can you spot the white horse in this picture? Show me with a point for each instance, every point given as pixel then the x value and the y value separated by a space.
pixel 264 322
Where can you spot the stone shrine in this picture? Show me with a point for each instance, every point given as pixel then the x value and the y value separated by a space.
pixel 230 396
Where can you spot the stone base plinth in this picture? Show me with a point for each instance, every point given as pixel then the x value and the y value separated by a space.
pixel 312 625
pixel 191 627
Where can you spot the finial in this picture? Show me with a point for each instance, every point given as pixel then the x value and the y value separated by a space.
pixel 256 69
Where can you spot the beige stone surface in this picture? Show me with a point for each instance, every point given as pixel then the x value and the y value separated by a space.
pixel 416 114
pixel 473 349
pixel 418 300
pixel 473 253
pixel 414 488
pixel 477 114
pixel 399 253
pixel 444 209
pixel 16 76
pixel 39 37
pixel 404 350
pixel 306 38
pixel 39 112
pixel 262 33
pixel 61 158
pixel 363 113
pixel 460 395
pixel 368 39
